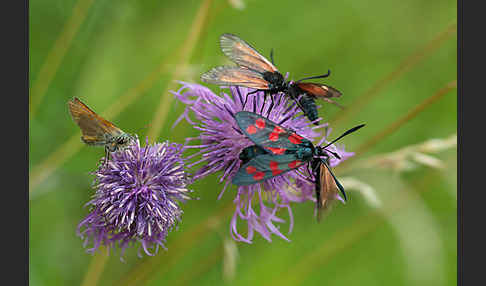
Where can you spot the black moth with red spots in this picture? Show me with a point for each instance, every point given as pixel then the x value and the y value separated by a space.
pixel 278 150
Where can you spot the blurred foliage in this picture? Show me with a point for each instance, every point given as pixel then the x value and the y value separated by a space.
pixel 117 45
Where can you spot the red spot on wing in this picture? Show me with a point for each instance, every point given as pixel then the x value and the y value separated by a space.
pixel 258 176
pixel 296 139
pixel 250 169
pixel 277 151
pixel 278 130
pixel 273 165
pixel 276 172
pixel 251 129
pixel 294 164
pixel 273 136
pixel 274 168
pixel 260 123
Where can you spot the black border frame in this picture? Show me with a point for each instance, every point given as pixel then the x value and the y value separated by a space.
pixel 15 131
pixel 470 214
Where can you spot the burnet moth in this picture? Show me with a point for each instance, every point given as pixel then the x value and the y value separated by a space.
pixel 255 71
pixel 278 150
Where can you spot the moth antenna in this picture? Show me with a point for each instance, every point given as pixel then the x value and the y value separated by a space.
pixel 334 154
pixel 271 56
pixel 344 134
pixel 317 76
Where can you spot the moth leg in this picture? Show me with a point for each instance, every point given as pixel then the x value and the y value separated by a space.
pixel 240 97
pixel 317 190
pixel 309 169
pixel 107 156
pixel 312 181
pixel 255 91
pixel 297 102
pixel 271 104
pixel 244 104
pixel 264 100
pixel 271 56
pixel 246 99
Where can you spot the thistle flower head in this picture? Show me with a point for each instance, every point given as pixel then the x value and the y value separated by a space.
pixel 136 198
pixel 221 141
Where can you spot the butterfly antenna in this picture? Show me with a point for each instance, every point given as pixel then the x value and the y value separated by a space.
pixel 344 134
pixel 317 76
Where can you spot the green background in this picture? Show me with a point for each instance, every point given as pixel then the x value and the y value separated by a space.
pixel 111 48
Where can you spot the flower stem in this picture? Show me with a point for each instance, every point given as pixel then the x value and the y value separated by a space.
pixel 187 48
pixel 407 117
pixel 56 54
pixel 178 249
pixel 200 267
pixel 341 240
pixel 407 64
pixel 404 119
pixel 96 267
pixel 43 170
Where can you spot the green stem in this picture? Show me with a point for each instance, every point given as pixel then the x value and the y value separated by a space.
pixel 44 169
pixel 187 48
pixel 200 267
pixel 141 272
pixel 342 240
pixel 401 121
pixel 56 54
pixel 407 64
pixel 96 267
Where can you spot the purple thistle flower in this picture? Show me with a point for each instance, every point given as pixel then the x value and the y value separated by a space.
pixel 221 143
pixel 136 197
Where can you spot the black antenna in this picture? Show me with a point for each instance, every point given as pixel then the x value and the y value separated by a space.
pixel 344 134
pixel 271 56
pixel 338 184
pixel 334 154
pixel 317 76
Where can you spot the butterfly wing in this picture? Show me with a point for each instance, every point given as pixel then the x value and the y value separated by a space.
pixel 267 134
pixel 244 55
pixel 225 75
pixel 264 167
pixel 94 128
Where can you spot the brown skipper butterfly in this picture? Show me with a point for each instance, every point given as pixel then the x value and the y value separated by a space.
pixel 97 131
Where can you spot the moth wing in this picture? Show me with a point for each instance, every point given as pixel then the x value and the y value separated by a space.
pixel 327 189
pixel 225 75
pixel 93 127
pixel 244 55
pixel 267 134
pixel 321 91
pixel 264 167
